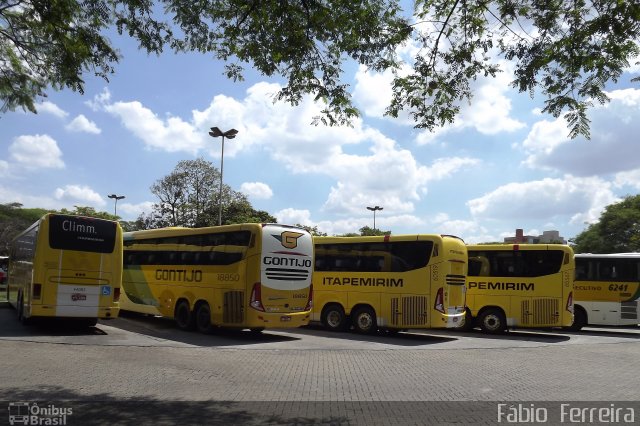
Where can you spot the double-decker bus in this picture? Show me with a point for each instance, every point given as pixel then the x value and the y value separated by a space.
pixel 66 266
pixel 519 285
pixel 393 282
pixel 253 276
pixel 607 289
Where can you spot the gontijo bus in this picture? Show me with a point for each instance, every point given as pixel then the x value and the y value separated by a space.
pixel 66 266
pixel 519 285
pixel 252 276
pixel 392 282
pixel 607 289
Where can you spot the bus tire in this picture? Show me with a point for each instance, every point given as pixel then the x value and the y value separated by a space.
pixel 333 317
pixel 469 321
pixel 364 320
pixel 184 317
pixel 24 320
pixel 88 322
pixel 203 318
pixel 579 319
pixel 492 321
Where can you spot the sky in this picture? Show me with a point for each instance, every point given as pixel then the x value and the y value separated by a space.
pixel 502 165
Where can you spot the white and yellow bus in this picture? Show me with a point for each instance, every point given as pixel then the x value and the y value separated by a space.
pixel 607 289
pixel 66 266
pixel 253 276
pixel 519 285
pixel 389 282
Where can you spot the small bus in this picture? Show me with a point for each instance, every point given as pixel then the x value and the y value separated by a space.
pixel 519 285
pixel 392 282
pixel 253 276
pixel 68 267
pixel 607 289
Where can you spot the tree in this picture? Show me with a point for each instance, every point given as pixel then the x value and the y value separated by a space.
pixel 13 220
pixel 89 212
pixel 566 50
pixel 617 231
pixel 190 196
pixel 366 231
pixel 314 231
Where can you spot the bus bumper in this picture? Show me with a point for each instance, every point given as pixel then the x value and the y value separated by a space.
pixel 278 320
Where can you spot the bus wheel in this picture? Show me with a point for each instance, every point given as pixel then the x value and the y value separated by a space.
pixel 364 320
pixel 203 318
pixel 184 316
pixel 88 322
pixel 333 317
pixel 468 321
pixel 579 319
pixel 24 320
pixel 492 321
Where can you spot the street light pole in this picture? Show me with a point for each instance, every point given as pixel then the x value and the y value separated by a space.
pixel 116 198
pixel 229 134
pixel 373 209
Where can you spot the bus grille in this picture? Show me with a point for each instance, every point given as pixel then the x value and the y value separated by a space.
pixel 538 312
pixel 233 307
pixel 287 274
pixel 629 310
pixel 455 279
pixel 414 311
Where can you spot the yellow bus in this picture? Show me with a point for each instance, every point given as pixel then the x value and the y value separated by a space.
pixel 607 289
pixel 389 282
pixel 519 285
pixel 66 266
pixel 253 276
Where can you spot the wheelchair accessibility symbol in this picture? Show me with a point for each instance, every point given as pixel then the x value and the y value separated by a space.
pixel 105 290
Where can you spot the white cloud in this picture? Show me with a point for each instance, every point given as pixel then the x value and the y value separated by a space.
pixel 129 211
pixel 83 124
pixel 488 112
pixel 631 179
pixel 577 199
pixel 612 148
pixel 51 108
pixel 291 216
pixel 82 194
pixel 36 152
pixel 257 190
pixel 379 172
pixel 100 100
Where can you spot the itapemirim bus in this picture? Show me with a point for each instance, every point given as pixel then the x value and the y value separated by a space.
pixel 66 266
pixel 253 276
pixel 607 289
pixel 393 282
pixel 519 285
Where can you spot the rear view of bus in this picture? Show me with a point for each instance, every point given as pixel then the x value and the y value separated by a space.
pixel 283 295
pixel 607 290
pixel 393 282
pixel 252 275
pixel 520 285
pixel 66 266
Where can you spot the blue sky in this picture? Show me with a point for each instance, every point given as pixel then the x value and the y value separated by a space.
pixel 503 165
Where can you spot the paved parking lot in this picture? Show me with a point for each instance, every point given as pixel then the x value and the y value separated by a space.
pixel 310 376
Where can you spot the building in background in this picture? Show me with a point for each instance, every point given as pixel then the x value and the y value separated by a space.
pixel 547 237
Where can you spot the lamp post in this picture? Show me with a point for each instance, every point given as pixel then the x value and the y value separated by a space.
pixel 373 209
pixel 229 134
pixel 116 198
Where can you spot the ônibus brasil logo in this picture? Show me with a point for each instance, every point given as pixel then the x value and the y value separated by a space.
pixel 30 413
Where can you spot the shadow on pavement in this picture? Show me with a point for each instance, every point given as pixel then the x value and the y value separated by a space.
pixel 164 328
pixel 382 336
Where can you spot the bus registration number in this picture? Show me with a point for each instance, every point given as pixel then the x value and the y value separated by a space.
pixel 285 318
